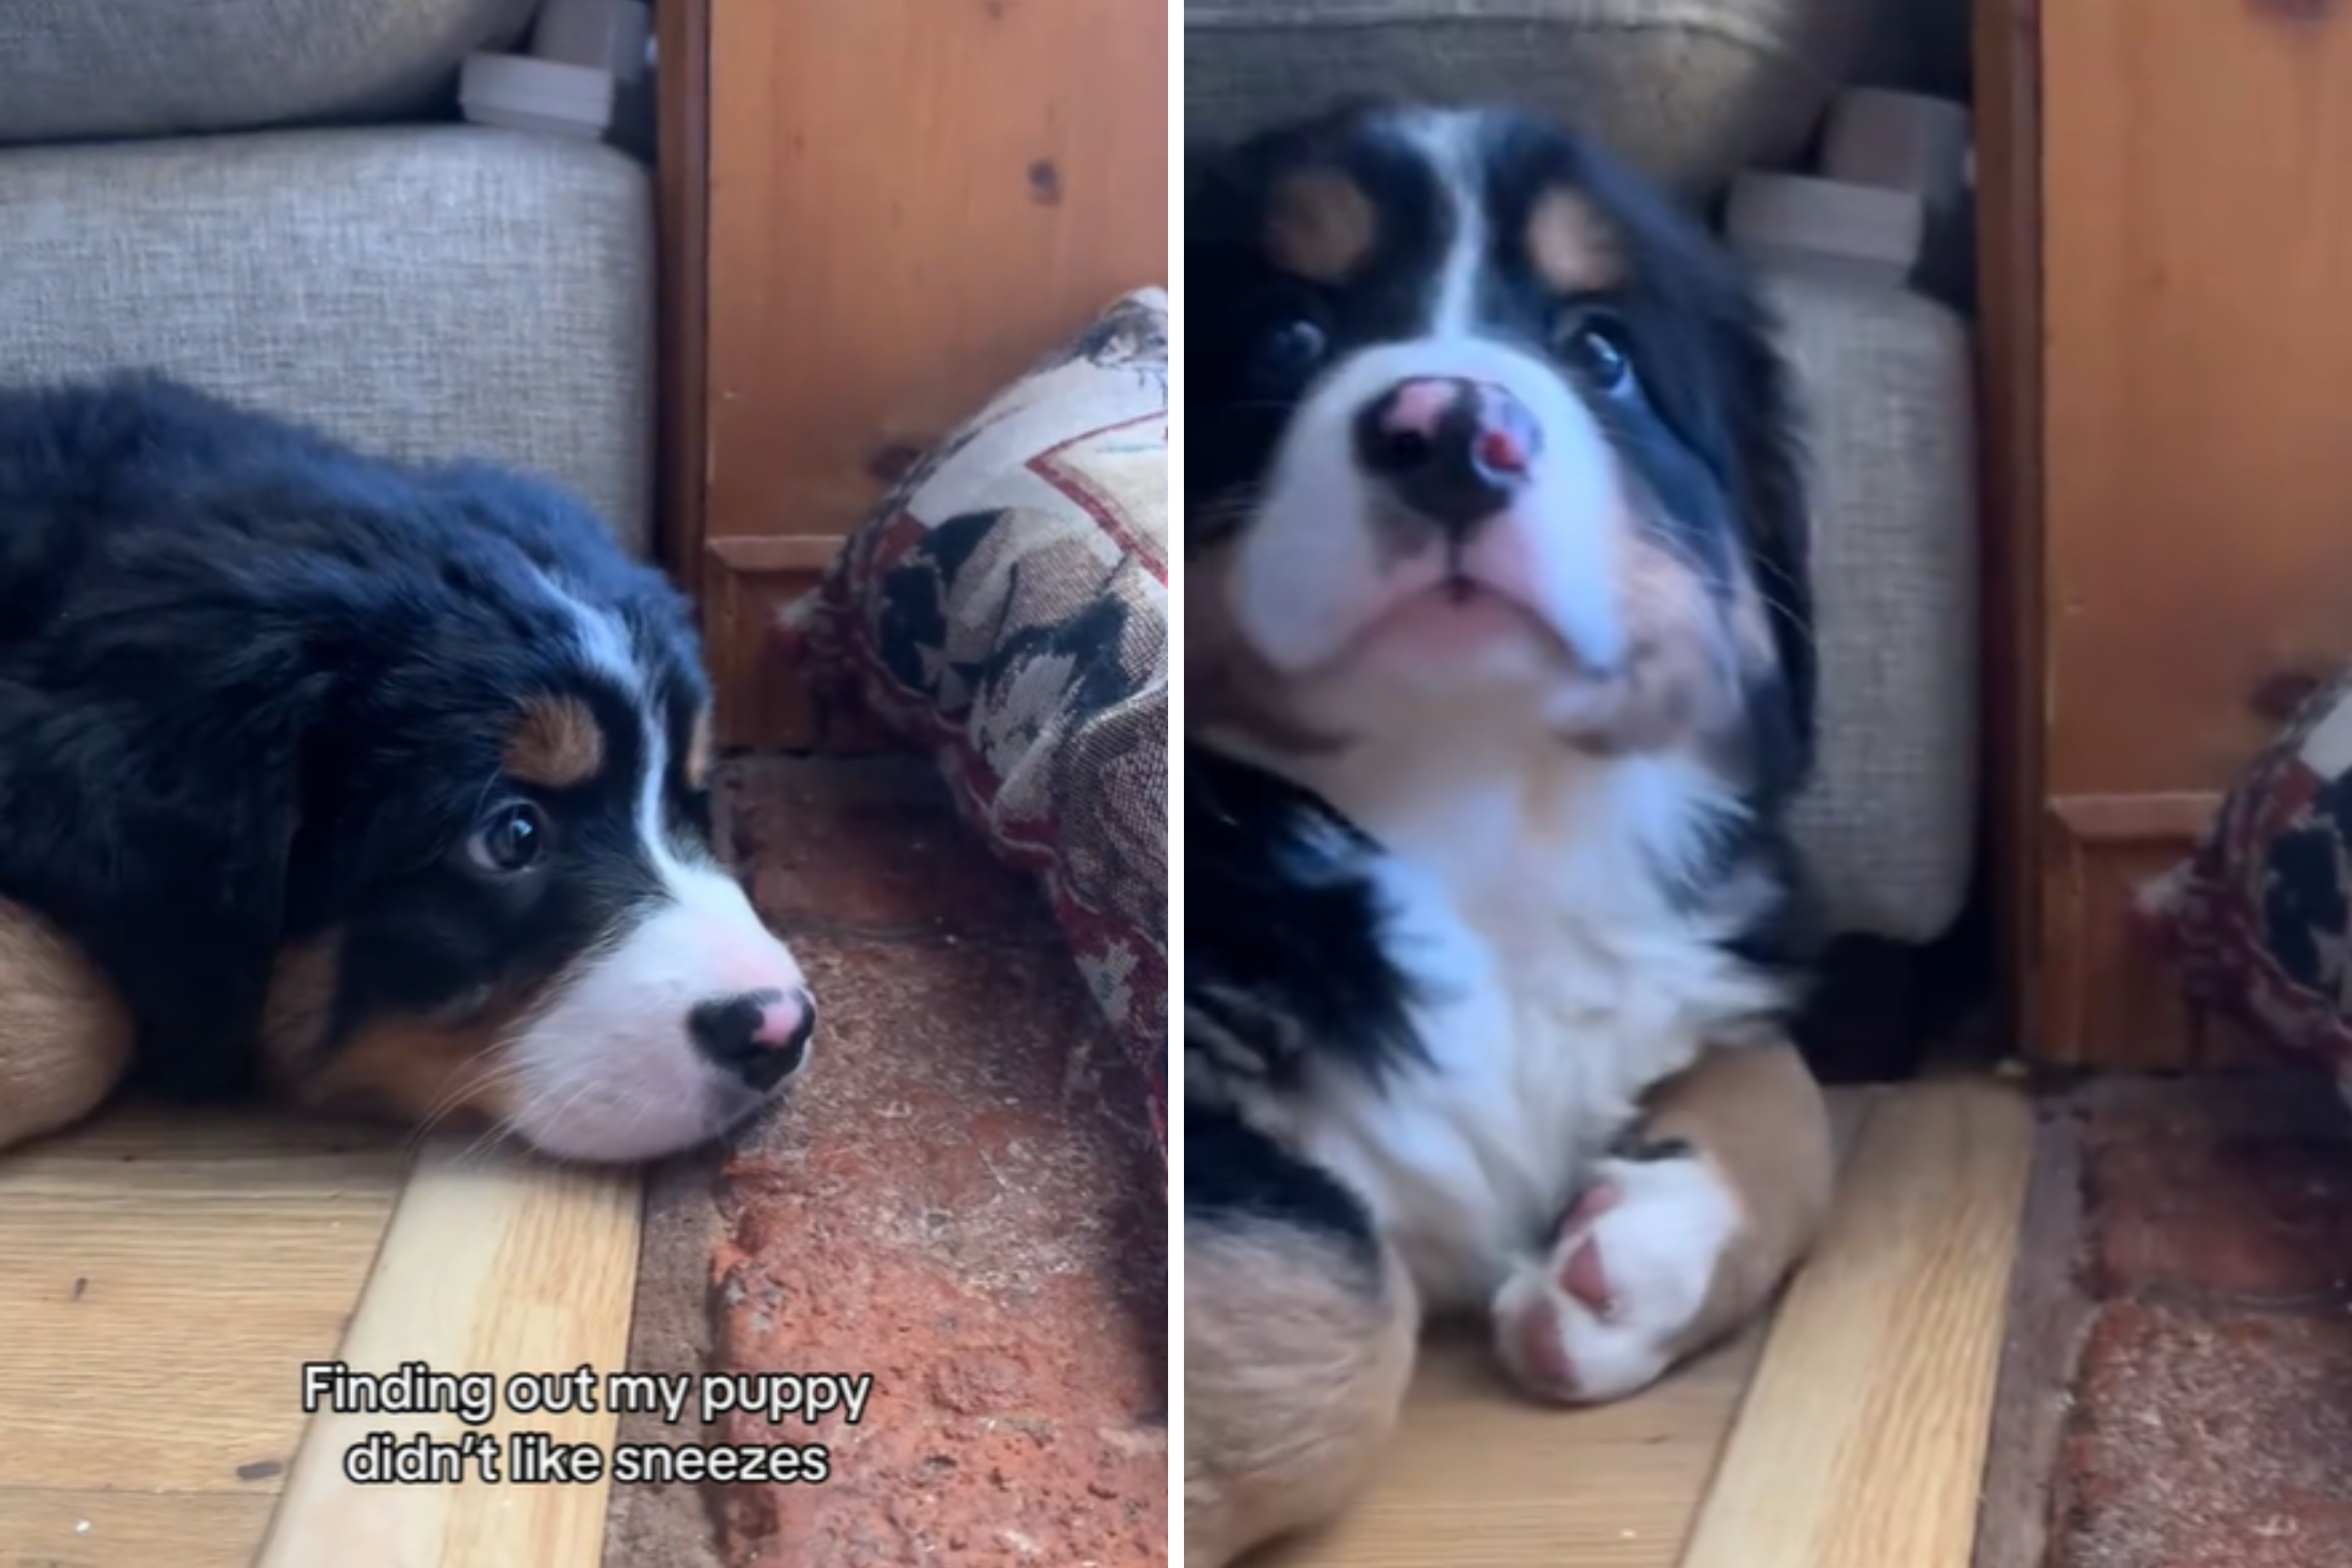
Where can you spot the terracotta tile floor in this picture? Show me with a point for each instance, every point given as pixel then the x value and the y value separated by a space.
pixel 2206 1421
pixel 960 1201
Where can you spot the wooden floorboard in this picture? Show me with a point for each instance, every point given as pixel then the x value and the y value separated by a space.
pixel 1875 1373
pixel 161 1279
pixel 498 1266
pixel 67 1528
pixel 164 1282
pixel 1861 1441
pixel 1481 1478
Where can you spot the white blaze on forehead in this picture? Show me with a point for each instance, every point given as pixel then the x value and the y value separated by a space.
pixel 1450 139
pixel 690 880
pixel 695 883
pixel 604 641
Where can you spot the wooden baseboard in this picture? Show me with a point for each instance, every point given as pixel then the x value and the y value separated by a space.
pixel 764 701
pixel 2108 998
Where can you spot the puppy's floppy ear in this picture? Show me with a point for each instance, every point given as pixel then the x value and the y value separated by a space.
pixel 1728 390
pixel 1763 423
pixel 1216 205
pixel 170 867
pixel 195 938
pixel 1219 173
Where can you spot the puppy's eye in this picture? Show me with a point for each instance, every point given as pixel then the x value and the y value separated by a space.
pixel 508 840
pixel 1594 347
pixel 1290 354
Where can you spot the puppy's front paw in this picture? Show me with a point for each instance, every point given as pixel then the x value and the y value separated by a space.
pixel 1609 1307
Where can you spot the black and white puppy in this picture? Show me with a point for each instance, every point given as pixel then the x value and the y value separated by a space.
pixel 383 788
pixel 1499 638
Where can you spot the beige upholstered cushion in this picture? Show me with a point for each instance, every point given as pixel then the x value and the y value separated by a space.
pixel 88 68
pixel 1890 825
pixel 1692 90
pixel 423 292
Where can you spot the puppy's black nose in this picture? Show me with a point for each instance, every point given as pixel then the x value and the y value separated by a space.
pixel 1452 452
pixel 760 1037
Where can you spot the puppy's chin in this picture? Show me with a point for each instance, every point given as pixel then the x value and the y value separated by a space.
pixel 1463 640
pixel 1442 661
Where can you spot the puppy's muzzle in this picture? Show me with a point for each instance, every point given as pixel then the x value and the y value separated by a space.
pixel 1451 452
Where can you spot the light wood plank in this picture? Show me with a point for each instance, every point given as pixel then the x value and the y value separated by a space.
pixel 1483 1478
pixel 1861 1442
pixel 158 1280
pixel 1852 1436
pixel 77 1529
pixel 491 1266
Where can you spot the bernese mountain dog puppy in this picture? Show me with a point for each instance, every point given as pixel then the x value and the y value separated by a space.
pixel 377 788
pixel 1498 636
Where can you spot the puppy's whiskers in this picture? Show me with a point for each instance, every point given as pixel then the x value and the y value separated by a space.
pixel 459 1096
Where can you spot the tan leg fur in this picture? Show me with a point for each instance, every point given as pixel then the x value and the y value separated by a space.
pixel 64 1039
pixel 1295 1362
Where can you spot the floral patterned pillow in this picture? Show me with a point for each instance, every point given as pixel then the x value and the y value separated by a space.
pixel 1007 605
pixel 2258 918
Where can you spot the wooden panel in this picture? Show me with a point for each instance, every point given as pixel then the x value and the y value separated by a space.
pixel 1862 1440
pixel 760 699
pixel 2197 447
pixel 2006 51
pixel 683 184
pixel 501 1265
pixel 910 200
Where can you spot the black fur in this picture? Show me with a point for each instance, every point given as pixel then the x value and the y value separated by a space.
pixel 1235 1174
pixel 253 686
pixel 1284 937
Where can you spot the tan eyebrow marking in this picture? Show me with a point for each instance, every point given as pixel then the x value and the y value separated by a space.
pixel 701 749
pixel 555 743
pixel 1574 248
pixel 1320 226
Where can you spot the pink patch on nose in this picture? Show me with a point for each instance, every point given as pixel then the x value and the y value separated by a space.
pixel 1503 452
pixel 1419 405
pixel 779 1022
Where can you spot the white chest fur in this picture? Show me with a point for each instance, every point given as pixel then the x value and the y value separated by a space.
pixel 1559 982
